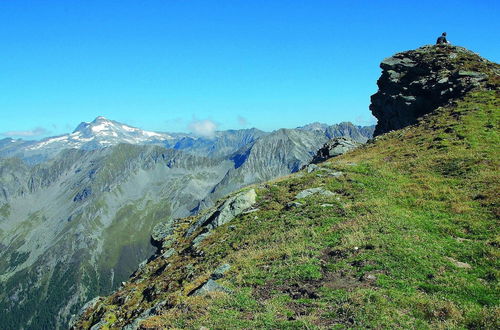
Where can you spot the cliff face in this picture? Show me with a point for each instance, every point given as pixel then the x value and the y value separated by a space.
pixel 416 82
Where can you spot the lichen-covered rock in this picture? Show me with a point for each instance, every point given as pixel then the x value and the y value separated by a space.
pixel 167 254
pixel 335 147
pixel 220 271
pixel 208 287
pixel 155 310
pixel 416 82
pixel 161 233
pixel 88 305
pixel 313 191
pixel 232 207
pixel 311 168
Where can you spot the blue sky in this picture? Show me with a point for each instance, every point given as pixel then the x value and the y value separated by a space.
pixel 164 65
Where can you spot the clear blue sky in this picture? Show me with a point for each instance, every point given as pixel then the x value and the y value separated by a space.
pixel 159 65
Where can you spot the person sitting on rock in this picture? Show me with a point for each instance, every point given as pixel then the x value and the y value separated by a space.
pixel 442 39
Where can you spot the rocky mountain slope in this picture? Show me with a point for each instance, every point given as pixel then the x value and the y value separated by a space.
pixel 402 232
pixel 78 223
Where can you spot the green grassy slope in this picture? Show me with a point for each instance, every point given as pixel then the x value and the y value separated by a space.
pixel 410 239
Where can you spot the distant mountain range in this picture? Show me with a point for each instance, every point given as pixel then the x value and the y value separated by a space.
pixel 76 210
pixel 102 132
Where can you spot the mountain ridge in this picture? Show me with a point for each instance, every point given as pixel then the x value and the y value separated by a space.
pixel 103 132
pixel 78 222
pixel 397 233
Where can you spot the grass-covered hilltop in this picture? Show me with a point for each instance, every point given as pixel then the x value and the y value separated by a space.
pixel 401 232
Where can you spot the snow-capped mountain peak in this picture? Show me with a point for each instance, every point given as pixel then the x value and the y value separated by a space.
pixel 101 132
pixel 106 130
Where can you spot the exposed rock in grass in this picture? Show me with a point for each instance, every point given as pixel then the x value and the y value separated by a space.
pixel 334 147
pixel 232 207
pixel 311 168
pixel 313 191
pixel 293 204
pixel 89 305
pixel 220 271
pixel 208 287
pixel 167 254
pixel 161 233
pixel 144 315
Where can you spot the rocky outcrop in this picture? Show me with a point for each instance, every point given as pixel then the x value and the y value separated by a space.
pixel 313 191
pixel 161 233
pixel 208 287
pixel 416 82
pixel 232 207
pixel 334 147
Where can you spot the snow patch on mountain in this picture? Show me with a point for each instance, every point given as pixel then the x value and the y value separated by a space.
pixel 101 132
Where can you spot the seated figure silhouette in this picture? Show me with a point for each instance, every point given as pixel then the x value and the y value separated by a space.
pixel 442 39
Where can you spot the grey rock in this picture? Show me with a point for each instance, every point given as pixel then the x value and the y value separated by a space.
pixel 146 314
pixel 314 191
pixel 226 212
pixel 335 174
pixel 395 62
pixel 311 168
pixel 251 211
pixel 293 204
pixel 161 232
pixel 335 147
pixel 220 271
pixel 370 277
pixel 200 238
pixel 473 74
pixel 208 287
pixel 417 82
pixel 167 254
pixel 89 304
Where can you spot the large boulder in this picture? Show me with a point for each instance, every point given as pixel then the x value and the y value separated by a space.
pixel 416 82
pixel 224 213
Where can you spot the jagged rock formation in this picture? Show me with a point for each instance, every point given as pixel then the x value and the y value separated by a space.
pixel 334 147
pixel 416 82
pixel 357 133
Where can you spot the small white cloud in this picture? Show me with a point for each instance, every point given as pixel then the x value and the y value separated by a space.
pixel 242 121
pixel 204 128
pixel 37 131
